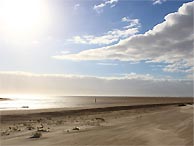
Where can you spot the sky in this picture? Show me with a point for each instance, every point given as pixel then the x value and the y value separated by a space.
pixel 99 47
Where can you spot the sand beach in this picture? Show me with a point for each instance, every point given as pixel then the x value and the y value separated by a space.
pixel 152 124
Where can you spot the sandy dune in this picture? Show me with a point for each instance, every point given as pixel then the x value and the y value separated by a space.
pixel 152 126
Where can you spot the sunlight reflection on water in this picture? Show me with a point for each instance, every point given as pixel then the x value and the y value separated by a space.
pixel 41 102
pixel 37 102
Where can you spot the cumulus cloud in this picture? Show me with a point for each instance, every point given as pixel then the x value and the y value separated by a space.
pixel 170 42
pixel 111 36
pixel 61 84
pixel 99 8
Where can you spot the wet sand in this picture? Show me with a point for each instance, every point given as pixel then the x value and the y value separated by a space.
pixel 152 125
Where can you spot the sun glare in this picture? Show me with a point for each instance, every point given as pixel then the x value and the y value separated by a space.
pixel 22 17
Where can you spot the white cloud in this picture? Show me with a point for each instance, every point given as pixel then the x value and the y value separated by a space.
pixel 132 22
pixel 108 38
pixel 61 84
pixel 139 76
pixel 99 8
pixel 177 67
pixel 111 36
pixel 156 2
pixel 65 52
pixel 76 6
pixel 107 64
pixel 170 42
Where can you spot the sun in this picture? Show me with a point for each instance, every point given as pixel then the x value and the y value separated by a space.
pixel 19 17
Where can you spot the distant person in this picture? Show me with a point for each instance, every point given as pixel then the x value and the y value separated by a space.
pixel 95 100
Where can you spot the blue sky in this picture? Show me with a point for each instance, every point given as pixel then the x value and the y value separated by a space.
pixel 83 37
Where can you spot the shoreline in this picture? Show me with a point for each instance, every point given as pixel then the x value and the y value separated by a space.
pixel 130 102
pixel 72 110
